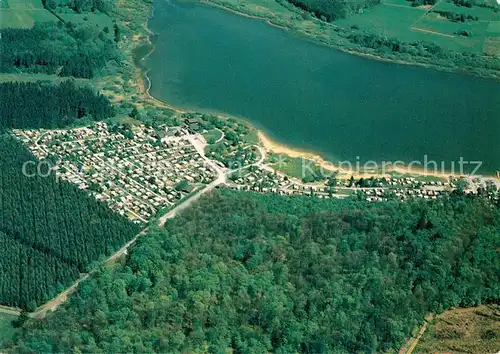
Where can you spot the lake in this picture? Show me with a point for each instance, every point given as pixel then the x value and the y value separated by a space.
pixel 309 96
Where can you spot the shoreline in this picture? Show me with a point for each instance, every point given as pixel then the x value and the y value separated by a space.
pixel 142 72
pixel 370 56
pixel 272 146
pixel 239 13
pixel 278 148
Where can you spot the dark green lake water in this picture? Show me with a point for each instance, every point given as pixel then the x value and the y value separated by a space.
pixel 317 98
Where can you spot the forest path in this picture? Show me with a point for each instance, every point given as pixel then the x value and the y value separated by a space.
pixel 51 305
pixel 410 346
pixel 10 311
pixel 198 142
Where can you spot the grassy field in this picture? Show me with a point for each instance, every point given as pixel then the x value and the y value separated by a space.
pixel 252 137
pixel 484 14
pixel 98 20
pixel 212 136
pixel 398 19
pixel 470 330
pixel 23 13
pixel 420 178
pixel 299 168
pixel 392 19
pixel 6 329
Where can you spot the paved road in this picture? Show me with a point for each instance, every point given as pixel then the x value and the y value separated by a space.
pixel 222 173
pixel 221 179
pixel 51 305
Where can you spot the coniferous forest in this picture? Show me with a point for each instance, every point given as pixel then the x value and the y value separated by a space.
pixel 50 231
pixel 38 105
pixel 64 49
pixel 250 273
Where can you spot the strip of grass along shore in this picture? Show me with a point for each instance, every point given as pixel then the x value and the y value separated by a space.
pixel 388 31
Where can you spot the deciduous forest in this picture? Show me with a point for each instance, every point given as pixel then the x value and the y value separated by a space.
pixel 330 10
pixel 81 6
pixel 64 49
pixel 37 105
pixel 434 54
pixel 263 273
pixel 50 231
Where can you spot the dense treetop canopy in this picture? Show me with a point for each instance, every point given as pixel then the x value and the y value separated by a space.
pixel 38 105
pixel 330 10
pixel 81 6
pixel 50 231
pixel 64 49
pixel 264 273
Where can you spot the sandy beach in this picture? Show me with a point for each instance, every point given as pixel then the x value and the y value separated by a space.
pixel 344 170
pixel 277 148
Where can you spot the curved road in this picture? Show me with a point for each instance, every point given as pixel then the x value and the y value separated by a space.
pixel 198 142
pixel 51 305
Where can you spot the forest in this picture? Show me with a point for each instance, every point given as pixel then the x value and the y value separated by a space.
pixel 432 53
pixel 38 105
pixel 64 49
pixel 50 231
pixel 252 273
pixel 81 6
pixel 330 10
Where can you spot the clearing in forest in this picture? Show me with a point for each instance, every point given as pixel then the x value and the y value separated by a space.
pixel 469 330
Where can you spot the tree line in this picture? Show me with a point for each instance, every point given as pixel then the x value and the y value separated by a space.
pixel 81 6
pixel 427 52
pixel 253 273
pixel 50 230
pixel 42 105
pixel 28 275
pixel 416 3
pixel 330 10
pixel 456 17
pixel 63 49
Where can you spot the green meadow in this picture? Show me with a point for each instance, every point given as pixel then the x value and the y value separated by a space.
pixel 98 19
pixel 212 136
pixel 23 13
pixel 295 167
pixel 24 4
pixel 398 19
pixel 392 18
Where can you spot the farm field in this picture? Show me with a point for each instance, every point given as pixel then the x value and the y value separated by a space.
pixel 23 13
pixel 391 18
pixel 398 19
pixel 484 14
